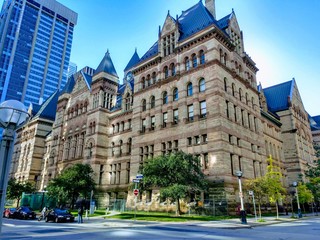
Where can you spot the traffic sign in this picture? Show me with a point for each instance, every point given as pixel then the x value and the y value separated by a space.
pixel 139 176
pixel 136 192
pixel 250 193
pixel 136 180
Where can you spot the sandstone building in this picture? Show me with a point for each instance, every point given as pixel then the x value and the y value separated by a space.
pixel 194 90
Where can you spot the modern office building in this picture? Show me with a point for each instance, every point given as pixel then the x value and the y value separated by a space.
pixel 35 45
pixel 72 69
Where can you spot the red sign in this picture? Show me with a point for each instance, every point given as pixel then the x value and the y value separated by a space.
pixel 136 192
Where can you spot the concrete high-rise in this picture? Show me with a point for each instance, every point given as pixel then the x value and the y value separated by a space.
pixel 35 45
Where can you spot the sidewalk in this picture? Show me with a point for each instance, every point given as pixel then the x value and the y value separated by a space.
pixel 224 224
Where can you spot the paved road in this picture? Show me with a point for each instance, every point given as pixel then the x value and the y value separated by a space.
pixel 305 229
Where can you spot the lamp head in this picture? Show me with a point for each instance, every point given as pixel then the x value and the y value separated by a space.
pixel 13 112
pixel 295 184
pixel 239 174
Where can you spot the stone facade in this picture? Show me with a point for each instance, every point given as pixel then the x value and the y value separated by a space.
pixel 195 93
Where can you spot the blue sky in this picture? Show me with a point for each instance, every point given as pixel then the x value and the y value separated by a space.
pixel 281 36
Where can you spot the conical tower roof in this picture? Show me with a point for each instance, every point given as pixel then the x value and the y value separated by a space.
pixel 106 65
pixel 133 61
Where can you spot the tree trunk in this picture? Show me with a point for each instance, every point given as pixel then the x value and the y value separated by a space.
pixel 178 207
pixel 277 209
pixel 18 202
pixel 259 207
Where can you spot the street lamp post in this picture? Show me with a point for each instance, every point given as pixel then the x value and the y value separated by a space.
pixel 43 195
pixel 295 184
pixel 242 211
pixel 13 115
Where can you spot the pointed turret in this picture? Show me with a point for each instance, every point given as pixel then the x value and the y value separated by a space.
pixel 106 69
pixel 133 61
pixel 210 5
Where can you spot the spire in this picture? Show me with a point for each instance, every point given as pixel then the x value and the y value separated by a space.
pixel 106 65
pixel 133 61
pixel 211 7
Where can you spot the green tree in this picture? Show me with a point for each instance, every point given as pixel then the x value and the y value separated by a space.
pixel 305 195
pixel 259 188
pixel 313 176
pixel 74 182
pixel 15 189
pixel 273 182
pixel 176 175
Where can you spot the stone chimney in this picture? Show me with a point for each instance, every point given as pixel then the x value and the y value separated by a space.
pixel 211 6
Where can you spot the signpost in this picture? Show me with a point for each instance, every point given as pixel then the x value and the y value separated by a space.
pixel 251 193
pixel 136 192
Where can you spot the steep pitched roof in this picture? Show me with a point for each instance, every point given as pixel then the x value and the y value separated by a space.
pixel 69 85
pixel 48 108
pixel 315 123
pixel 133 61
pixel 106 65
pixel 277 96
pixel 191 21
pixel 87 78
pixel 194 20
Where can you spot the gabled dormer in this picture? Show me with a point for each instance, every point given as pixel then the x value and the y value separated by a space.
pixel 168 36
pixel 235 33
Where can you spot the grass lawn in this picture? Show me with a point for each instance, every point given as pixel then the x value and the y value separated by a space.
pixel 164 217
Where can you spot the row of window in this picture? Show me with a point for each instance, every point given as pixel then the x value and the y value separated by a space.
pixel 77 110
pixel 170 70
pixel 241 116
pixel 175 95
pixel 120 127
pixel 175 117
pixel 198 139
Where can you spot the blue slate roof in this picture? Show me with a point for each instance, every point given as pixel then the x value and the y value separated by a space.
pixel 133 61
pixel 277 96
pixel 194 20
pixel 87 78
pixel 315 123
pixel 49 107
pixel 69 85
pixel 106 65
pixel 190 22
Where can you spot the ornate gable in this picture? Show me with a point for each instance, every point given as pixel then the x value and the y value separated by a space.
pixel 80 84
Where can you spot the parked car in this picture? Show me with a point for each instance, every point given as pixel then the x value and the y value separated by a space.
pixel 25 213
pixel 59 215
pixel 10 212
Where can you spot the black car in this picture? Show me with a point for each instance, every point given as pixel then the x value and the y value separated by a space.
pixel 10 212
pixel 25 213
pixel 59 215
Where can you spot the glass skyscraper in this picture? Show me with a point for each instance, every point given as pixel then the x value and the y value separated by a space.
pixel 35 45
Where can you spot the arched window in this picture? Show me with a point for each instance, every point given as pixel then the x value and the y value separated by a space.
pixel 164 98
pixel 152 102
pixel 143 81
pixel 194 60
pixel 240 94
pixel 221 56
pixel 120 147
pixel 202 85
pixel 172 69
pixel 148 81
pixel 187 64
pixel 175 94
pixel 127 102
pixel 202 57
pixel 144 105
pixel 225 85
pixel 129 145
pixel 233 89
pixel 112 149
pixel 189 89
pixel 154 77
pixel 90 150
pixel 166 72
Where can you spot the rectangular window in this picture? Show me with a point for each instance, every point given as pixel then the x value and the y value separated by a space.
pixel 197 140
pixel 143 127
pixel 205 160
pixel 190 112
pixel 153 122
pixel 175 116
pixel 189 141
pixel 164 119
pixel 203 109
pixel 204 138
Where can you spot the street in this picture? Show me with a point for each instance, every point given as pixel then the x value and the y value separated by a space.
pixel 307 228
